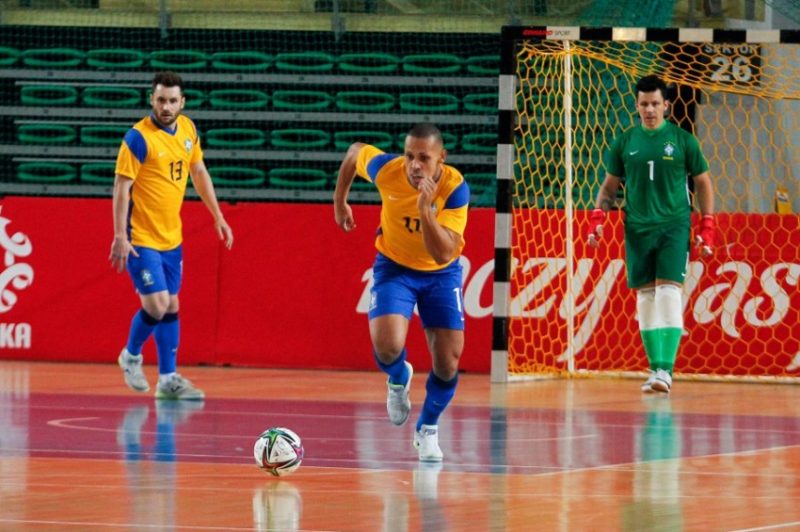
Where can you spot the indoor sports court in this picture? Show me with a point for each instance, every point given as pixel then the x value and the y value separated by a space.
pixel 81 452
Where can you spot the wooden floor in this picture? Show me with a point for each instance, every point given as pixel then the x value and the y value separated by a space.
pixel 79 451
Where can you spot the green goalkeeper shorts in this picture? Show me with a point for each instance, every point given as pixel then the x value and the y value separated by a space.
pixel 656 252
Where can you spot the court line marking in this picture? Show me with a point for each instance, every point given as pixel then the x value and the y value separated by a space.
pixel 768 527
pixel 136 526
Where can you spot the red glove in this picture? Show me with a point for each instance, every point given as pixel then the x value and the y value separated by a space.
pixel 596 219
pixel 706 231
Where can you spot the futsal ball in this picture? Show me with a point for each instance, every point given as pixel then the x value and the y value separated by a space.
pixel 278 451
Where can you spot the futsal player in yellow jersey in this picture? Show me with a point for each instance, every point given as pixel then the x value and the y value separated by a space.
pixel 156 158
pixel 420 238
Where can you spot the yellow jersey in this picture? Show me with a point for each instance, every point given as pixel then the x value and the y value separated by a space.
pixel 399 236
pixel 158 162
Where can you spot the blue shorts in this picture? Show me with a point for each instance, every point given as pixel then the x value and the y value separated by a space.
pixel 437 294
pixel 155 271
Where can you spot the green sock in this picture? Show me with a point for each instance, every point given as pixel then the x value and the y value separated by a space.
pixel 671 339
pixel 653 345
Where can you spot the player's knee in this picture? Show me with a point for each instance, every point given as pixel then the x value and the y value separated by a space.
pixel 387 354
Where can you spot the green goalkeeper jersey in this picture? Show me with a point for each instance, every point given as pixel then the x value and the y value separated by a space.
pixel 654 165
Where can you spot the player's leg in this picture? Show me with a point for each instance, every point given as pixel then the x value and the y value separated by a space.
pixel 392 301
pixel 640 265
pixel 147 274
pixel 441 310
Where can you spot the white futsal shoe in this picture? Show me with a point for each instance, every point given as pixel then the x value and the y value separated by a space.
pixel 426 440
pixel 398 404
pixel 178 387
pixel 132 370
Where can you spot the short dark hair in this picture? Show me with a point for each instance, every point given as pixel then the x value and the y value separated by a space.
pixel 425 130
pixel 167 79
pixel 652 83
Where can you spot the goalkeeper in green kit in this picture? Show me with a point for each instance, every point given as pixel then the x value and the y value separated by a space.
pixel 655 160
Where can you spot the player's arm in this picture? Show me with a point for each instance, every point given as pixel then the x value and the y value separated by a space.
pixel 342 212
pixel 441 242
pixel 121 246
pixel 704 192
pixel 605 201
pixel 205 189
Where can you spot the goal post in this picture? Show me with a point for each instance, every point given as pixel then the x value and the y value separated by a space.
pixel 562 308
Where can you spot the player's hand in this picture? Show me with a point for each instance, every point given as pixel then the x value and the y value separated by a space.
pixel 344 217
pixel 225 233
pixel 120 248
pixel 427 189
pixel 596 219
pixel 705 235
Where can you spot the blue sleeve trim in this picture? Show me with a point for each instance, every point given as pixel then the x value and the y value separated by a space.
pixel 137 144
pixel 459 197
pixel 376 163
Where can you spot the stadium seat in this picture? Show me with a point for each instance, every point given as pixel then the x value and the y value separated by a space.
pixel 194 98
pixel 364 101
pixel 241 61
pixel 301 100
pixel 369 63
pixel 310 62
pixel 46 134
pixel 115 58
pixel 298 178
pixel 479 143
pixel 483 65
pixel 8 56
pixel 235 137
pixel 46 172
pixel 300 138
pixel 237 176
pixel 179 60
pixel 238 98
pixel 483 188
pixel 46 95
pixel 433 63
pixel 103 135
pixel 483 103
pixel 111 97
pixel 380 139
pixel 428 102
pixel 98 173
pixel 52 57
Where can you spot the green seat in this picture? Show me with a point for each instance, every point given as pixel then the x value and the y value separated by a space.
pixel 364 101
pixel 369 63
pixel 479 143
pixel 433 63
pixel 8 56
pixel 380 139
pixel 483 65
pixel 115 58
pixel 481 103
pixel 483 188
pixel 235 137
pixel 299 138
pixel 46 172
pixel 111 97
pixel 450 140
pixel 301 100
pixel 238 98
pixel 178 60
pixel 98 173
pixel 298 178
pixel 428 102
pixel 241 61
pixel 46 95
pixel 46 134
pixel 237 176
pixel 194 98
pixel 103 135
pixel 52 57
pixel 316 62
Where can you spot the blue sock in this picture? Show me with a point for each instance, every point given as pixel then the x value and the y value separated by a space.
pixel 141 327
pixel 397 370
pixel 167 335
pixel 438 396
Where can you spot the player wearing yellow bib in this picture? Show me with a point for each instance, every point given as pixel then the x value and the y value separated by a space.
pixel 655 159
pixel 155 161
pixel 423 217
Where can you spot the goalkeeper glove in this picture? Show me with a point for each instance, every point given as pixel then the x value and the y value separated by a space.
pixel 596 219
pixel 705 233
